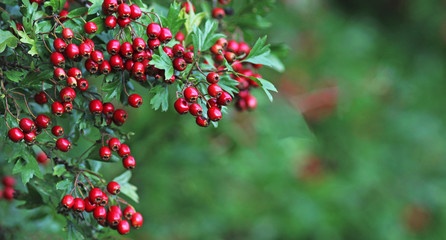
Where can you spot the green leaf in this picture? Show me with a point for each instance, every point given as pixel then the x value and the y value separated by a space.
pixel 228 84
pixel 203 40
pixel 24 38
pixel 64 184
pixel 57 5
pixel 266 85
pixel 95 7
pixel 77 12
pixel 32 198
pixel 193 21
pixel 14 76
pixel 112 90
pixel 7 39
pixel 99 23
pixel 162 61
pixel 59 170
pixel 261 54
pixel 126 188
pixel 174 20
pixel 160 98
pixel 27 167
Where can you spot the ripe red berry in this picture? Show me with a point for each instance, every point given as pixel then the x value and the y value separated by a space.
pixel 110 22
pixel 67 201
pixel 153 30
pixel 191 94
pixel 123 227
pixel 119 116
pixel 138 69
pixel 135 12
pixel 42 158
pixel 214 114
pixel 165 35
pixel 72 51
pixel 230 56
pixel 67 34
pixel 187 6
pixel 202 121
pixel 251 102
pixel 168 50
pixel 41 98
pixel 153 43
pixel 42 121
pixel 97 56
pixel 78 205
pixel 137 220
pixel 74 72
pixel 233 46
pixel 57 59
pixel 95 195
pixel 138 44
pixel 89 207
pixel 95 106
pixel 90 27
pixel 214 90
pixel 116 62
pixel 128 212
pixel 179 64
pixel 188 57
pixel 114 144
pixel 85 49
pixel 124 10
pixel 178 50
pixel 135 100
pixel 108 109
pixel 123 22
pixel 27 125
pixel 63 144
pixel 59 45
pixel 243 49
pixel 195 109
pixel 100 213
pixel 129 162
pixel 104 199
pixel 109 6
pixel 224 99
pixel 213 77
pixel 71 82
pixel 57 131
pixel 91 66
pixel 105 153
pixel 113 218
pixel 105 67
pixel 218 13
pixel 68 106
pixel 8 181
pixel 82 84
pixel 30 137
pixel 113 188
pixel 124 150
pixel 67 94
pixel 113 47
pixel 8 193
pixel 181 106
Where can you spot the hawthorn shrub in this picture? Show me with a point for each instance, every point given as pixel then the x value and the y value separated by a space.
pixel 68 75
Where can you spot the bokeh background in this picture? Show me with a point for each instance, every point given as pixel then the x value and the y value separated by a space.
pixel 353 146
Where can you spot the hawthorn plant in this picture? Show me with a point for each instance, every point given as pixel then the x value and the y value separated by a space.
pixel 68 74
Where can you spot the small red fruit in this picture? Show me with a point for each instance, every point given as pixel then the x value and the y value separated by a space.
pixel 67 201
pixel 42 158
pixel 113 46
pixel 139 44
pixel 95 106
pixel 224 99
pixel 110 22
pixel 72 51
pixel 8 181
pixel 202 121
pixel 67 94
pixel 181 106
pixel 123 227
pixel 82 84
pixel 129 162
pixel 113 188
pixel 30 137
pixel 135 100
pixel 59 45
pixel 105 153
pixel 57 59
pixel 153 30
pixel 179 64
pixel 191 94
pixel 41 98
pixel 27 125
pixel 97 56
pixel 213 77
pixel 124 10
pixel 195 109
pixel 63 144
pixel 135 12
pixel 124 150
pixel 218 13
pixel 71 82
pixel 165 35
pixel 119 117
pixel 89 207
pixel 90 27
pixel 137 220
pixel 100 213
pixel 113 218
pixel 74 72
pixel 214 90
pixel 214 114
pixel 78 205
pixel 57 131
pixel 128 212
pixel 42 121
pixel 95 196
pixel 108 109
pixel 114 144
pixel 67 34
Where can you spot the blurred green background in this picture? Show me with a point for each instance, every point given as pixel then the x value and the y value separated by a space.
pixel 352 147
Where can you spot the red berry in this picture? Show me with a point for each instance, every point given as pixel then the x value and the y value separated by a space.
pixel 68 106
pixel 105 67
pixel 82 84
pixel 63 144
pixel 110 22
pixel 230 56
pixel 123 22
pixel 214 114
pixel 27 125
pixel 153 30
pixel 42 121
pixel 179 64
pixel 124 10
pixel 67 201
pixel 97 56
pixel 216 49
pixel 123 227
pixel 181 106
pixel 113 47
pixel 8 181
pixel 139 44
pixel 153 43
pixel 251 102
pixel 202 121
pixel 113 218
pixel 113 187
pixel 124 150
pixel 214 90
pixel 67 34
pixel 119 117
pixel 57 131
pixel 91 66
pixel 57 108
pixel 213 77
pixel 195 109
pixel 72 51
pixel 165 35
pixel 74 72
pixel 71 82
pixel 108 109
pixel 188 57
pixel 116 62
pixel 178 50
pixel 41 98
pixel 85 49
pixel 129 162
pixel 137 220
pixel 188 6
pixel 138 69
pixel 115 208
pixel 218 13
pixel 95 195
pixel 128 212
pixel 30 137
pixel 109 6
pixel 104 200
pixel 67 94
pixel 78 205
pixel 243 49
pixel 222 42
pixel 168 50
pixel 233 46
pixel 135 12
pixel 8 193
pixel 59 45
pixel 99 212
pixel 95 106
pixel 105 153
pixel 191 94
pixel 114 144
pixel 90 27
pixel 57 59
pixel 224 99
pixel 42 158
pixel 135 100
pixel 89 207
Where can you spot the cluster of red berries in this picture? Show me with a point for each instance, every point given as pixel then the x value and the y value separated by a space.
pixel 8 191
pixel 123 150
pixel 119 13
pixel 215 98
pixel 106 214
pixel 219 12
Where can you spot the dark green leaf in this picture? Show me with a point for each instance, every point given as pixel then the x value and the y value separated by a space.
pixel 203 40
pixel 261 54
pixel 162 61
pixel 14 76
pixel 266 85
pixel 160 97
pixel 78 12
pixel 95 7
pixel 64 184
pixel 173 20
pixel 58 170
pixel 32 198
pixel 126 188
pixel 27 167
pixel 228 84
pixel 7 39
